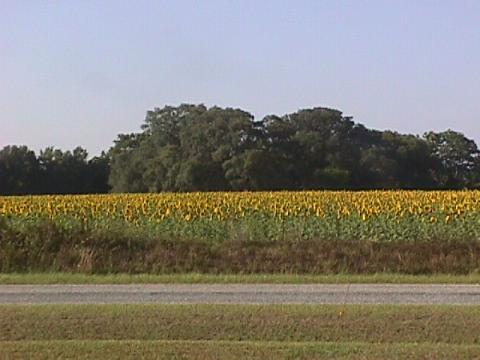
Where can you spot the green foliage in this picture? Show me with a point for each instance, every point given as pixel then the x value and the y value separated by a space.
pixel 255 244
pixel 52 172
pixel 195 148
pixel 19 170
pixel 459 158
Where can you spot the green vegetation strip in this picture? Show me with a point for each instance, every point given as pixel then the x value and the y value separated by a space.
pixel 290 323
pixel 255 245
pixel 195 278
pixel 231 350
pixel 239 331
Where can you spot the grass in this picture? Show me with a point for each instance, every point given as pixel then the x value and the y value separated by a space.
pixel 239 331
pixel 458 325
pixel 231 350
pixel 197 278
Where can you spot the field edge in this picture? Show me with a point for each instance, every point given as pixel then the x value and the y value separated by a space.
pixel 198 278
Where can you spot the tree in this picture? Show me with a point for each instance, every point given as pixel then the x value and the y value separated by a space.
pixel 195 148
pixel 185 148
pixel 458 159
pixel 19 171
pixel 319 147
pixel 126 167
pixel 98 169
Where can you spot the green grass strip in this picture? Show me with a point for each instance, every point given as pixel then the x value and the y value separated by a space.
pixel 291 323
pixel 231 350
pixel 195 278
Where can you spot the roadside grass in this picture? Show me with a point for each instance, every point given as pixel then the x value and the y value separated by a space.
pixel 239 331
pixel 132 349
pixel 290 323
pixel 197 278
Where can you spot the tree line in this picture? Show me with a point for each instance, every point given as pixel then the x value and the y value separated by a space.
pixel 53 171
pixel 195 148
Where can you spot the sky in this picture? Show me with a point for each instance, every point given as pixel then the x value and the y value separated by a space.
pixel 81 72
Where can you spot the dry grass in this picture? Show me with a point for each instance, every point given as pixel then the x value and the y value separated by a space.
pixel 132 349
pixel 239 332
pixel 292 323
pixel 198 278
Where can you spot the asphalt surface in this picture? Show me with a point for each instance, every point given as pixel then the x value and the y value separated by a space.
pixel 240 294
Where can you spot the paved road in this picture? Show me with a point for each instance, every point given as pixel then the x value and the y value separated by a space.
pixel 241 294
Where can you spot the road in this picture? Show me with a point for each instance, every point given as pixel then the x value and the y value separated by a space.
pixel 240 294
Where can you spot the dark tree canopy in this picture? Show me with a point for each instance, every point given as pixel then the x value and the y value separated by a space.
pixel 195 148
pixel 52 172
pixel 19 171
pixel 458 159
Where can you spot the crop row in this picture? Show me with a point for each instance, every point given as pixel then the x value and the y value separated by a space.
pixel 428 206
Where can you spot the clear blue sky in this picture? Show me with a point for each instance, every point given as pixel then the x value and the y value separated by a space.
pixel 80 72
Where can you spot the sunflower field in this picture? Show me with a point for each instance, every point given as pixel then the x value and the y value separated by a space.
pixel 197 231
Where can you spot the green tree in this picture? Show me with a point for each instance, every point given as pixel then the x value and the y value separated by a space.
pixel 126 166
pixel 19 171
pixel 458 159
pixel 185 148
